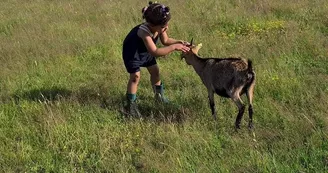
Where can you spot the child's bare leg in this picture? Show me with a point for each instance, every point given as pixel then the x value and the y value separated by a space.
pixel 154 74
pixel 133 83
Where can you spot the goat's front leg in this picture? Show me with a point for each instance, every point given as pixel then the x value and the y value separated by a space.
pixel 212 104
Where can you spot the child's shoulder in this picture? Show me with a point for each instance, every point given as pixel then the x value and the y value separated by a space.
pixel 144 31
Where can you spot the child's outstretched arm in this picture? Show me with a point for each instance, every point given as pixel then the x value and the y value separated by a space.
pixel 166 40
pixel 155 51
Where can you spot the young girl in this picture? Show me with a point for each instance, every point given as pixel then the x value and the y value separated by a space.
pixel 140 50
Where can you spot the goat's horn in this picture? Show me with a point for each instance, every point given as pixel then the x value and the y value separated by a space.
pixel 191 41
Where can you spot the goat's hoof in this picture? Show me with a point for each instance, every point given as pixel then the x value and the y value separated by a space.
pixel 214 117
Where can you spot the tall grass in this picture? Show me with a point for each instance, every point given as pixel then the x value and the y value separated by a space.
pixel 62 83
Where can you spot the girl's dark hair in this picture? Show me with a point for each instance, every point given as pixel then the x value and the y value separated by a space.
pixel 156 13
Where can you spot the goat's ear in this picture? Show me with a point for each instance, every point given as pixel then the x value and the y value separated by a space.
pixel 196 48
pixel 192 40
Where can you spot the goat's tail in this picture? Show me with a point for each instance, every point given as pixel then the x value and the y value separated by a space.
pixel 250 67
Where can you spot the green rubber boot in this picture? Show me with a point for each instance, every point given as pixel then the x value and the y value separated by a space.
pixel 130 106
pixel 159 93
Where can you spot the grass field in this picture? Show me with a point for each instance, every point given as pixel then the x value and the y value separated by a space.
pixel 62 83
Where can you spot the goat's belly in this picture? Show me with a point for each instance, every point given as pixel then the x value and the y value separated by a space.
pixel 222 92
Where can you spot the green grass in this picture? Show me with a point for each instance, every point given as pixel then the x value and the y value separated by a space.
pixel 62 83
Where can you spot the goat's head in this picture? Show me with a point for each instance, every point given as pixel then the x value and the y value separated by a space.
pixel 191 54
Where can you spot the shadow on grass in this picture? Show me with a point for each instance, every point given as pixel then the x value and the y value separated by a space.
pixel 83 96
pixel 176 111
pixel 162 112
pixel 43 94
pixel 114 101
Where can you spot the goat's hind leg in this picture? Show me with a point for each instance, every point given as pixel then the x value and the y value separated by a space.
pixel 211 102
pixel 249 94
pixel 241 109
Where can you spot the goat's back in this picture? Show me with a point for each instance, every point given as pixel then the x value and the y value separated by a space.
pixel 226 72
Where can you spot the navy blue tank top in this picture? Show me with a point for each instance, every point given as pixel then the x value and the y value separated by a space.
pixel 133 43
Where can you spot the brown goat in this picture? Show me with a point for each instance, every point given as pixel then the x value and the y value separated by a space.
pixel 227 77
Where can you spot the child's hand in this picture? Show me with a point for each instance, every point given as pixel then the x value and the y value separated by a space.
pixel 181 47
pixel 186 43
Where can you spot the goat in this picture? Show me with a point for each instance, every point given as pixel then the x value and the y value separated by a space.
pixel 228 77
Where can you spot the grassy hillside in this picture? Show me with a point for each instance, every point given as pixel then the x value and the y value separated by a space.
pixel 62 82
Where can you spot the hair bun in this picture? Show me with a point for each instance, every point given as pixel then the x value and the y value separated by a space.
pixel 150 2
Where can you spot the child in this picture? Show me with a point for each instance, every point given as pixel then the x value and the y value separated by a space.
pixel 140 50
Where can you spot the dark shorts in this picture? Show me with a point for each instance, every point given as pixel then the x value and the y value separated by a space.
pixel 133 63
